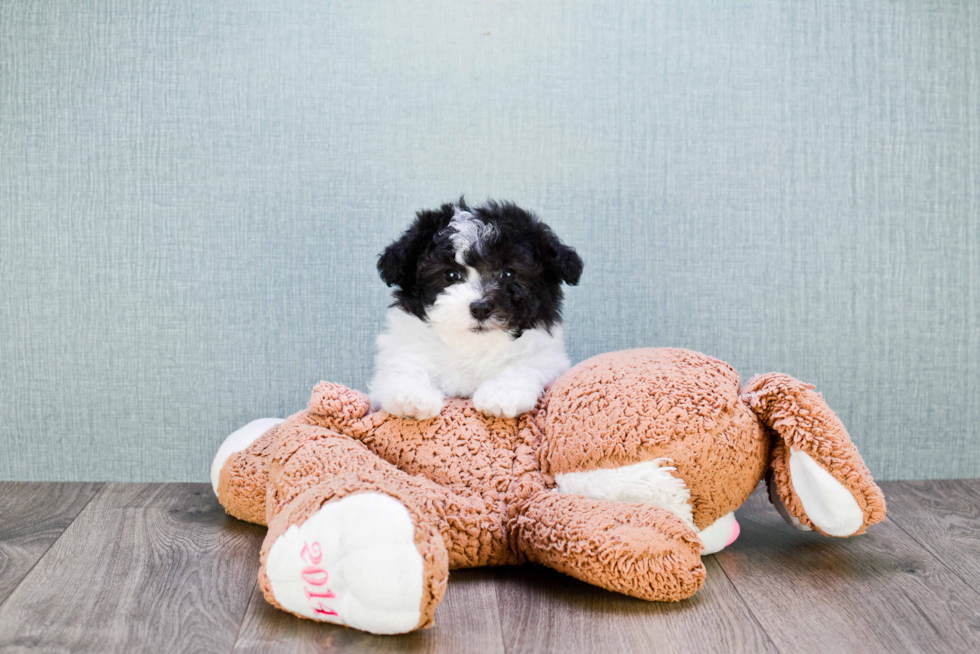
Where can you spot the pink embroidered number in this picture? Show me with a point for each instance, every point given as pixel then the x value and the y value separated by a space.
pixel 311 553
pixel 326 595
pixel 316 576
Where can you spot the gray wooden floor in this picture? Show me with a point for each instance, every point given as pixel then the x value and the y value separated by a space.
pixel 161 568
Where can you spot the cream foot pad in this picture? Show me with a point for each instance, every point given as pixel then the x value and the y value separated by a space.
pixel 353 562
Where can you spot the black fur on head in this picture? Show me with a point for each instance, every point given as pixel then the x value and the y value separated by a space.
pixel 520 265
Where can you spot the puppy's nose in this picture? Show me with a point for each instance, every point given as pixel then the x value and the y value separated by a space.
pixel 481 310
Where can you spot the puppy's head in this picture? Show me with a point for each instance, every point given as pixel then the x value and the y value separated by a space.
pixel 481 269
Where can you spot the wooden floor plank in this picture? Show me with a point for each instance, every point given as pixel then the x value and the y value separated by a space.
pixel 545 611
pixel 32 517
pixel 880 592
pixel 144 567
pixel 465 621
pixel 161 568
pixel 944 517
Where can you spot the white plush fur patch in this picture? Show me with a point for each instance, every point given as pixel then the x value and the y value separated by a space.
pixel 353 562
pixel 238 441
pixel 649 482
pixel 828 504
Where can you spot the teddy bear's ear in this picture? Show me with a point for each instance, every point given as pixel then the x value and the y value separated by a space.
pixel 817 478
pixel 338 405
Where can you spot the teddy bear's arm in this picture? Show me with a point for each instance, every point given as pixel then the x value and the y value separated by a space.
pixel 817 478
pixel 636 549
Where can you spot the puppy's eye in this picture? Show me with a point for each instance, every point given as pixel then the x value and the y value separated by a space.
pixel 453 276
pixel 507 274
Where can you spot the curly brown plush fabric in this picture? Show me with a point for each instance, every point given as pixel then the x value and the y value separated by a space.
pixel 636 405
pixel 802 421
pixel 483 490
pixel 309 455
pixel 635 549
pixel 244 478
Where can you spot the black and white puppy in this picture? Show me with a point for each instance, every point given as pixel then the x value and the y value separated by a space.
pixel 477 311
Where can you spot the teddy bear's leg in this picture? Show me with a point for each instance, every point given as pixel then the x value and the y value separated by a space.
pixel 356 552
pixel 305 455
pixel 637 549
pixel 239 471
pixel 354 540
pixel 817 478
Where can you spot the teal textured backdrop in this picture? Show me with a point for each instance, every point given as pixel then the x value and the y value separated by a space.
pixel 193 194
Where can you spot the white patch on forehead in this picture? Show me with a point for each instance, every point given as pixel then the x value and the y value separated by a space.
pixel 470 232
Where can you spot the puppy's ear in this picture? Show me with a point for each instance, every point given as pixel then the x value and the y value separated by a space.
pixel 394 261
pixel 561 258
pixel 397 264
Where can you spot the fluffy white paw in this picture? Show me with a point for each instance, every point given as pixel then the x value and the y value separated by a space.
pixel 505 399
pixel 413 401
pixel 238 441
pixel 353 562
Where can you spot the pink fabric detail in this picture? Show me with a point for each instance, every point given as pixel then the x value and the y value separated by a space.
pixel 736 530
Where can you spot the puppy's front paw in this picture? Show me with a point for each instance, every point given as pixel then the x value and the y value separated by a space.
pixel 505 399
pixel 417 401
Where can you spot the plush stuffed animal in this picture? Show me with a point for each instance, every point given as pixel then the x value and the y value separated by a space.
pixel 624 475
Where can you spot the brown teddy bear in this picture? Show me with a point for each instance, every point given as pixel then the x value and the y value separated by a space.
pixel 624 475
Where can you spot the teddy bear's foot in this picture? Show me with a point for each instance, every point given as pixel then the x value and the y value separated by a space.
pixel 239 473
pixel 236 442
pixel 355 561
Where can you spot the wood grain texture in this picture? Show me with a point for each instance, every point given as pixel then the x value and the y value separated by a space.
pixel 32 517
pixel 944 517
pixel 544 611
pixel 147 567
pixel 880 592
pixel 161 568
pixel 465 621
